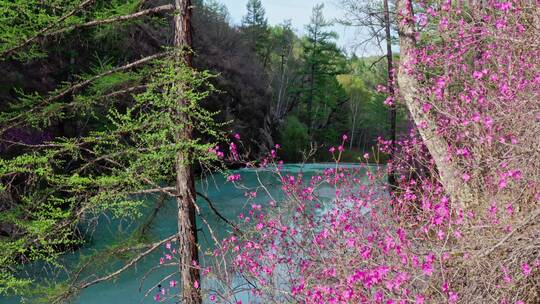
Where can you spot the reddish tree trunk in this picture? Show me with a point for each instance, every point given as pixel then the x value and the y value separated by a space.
pixel 185 180
pixel 390 64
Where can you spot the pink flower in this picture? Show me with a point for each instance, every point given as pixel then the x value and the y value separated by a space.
pixel 427 268
pixel 426 107
pixel 516 174
pixel 213 298
pixel 332 150
pixel 196 284
pixel 478 74
pixel 452 297
pixel 234 178
pixel 237 136
pixel 526 269
pixel 503 183
pixel 366 155
pixel 465 177
pixel 173 283
pixel 445 287
pixel 389 101
pixel 510 209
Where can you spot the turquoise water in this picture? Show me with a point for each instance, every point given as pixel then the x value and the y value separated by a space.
pixel 228 199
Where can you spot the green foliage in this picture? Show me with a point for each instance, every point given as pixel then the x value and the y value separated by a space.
pixel 255 16
pixel 373 119
pixel 294 139
pixel 23 19
pixel 111 9
pixel 72 178
pixel 322 62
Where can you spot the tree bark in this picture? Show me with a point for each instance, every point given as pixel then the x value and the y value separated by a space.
pixel 391 91
pixel 185 179
pixel 449 172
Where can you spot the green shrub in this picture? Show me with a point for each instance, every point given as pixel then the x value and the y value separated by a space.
pixel 294 139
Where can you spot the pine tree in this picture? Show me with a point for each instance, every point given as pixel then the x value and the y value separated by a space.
pixel 323 61
pixel 256 15
pixel 255 27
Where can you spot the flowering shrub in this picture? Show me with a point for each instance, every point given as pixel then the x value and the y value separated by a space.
pixel 479 79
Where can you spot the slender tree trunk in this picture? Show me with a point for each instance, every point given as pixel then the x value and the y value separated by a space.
pixel 185 180
pixel 391 91
pixel 449 172
pixel 310 98
pixel 354 109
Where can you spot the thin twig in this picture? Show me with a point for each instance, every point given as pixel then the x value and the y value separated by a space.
pixel 508 236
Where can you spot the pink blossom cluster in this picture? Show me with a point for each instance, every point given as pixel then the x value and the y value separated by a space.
pixel 477 67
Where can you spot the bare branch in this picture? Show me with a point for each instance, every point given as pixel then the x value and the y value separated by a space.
pixel 167 190
pixel 213 208
pixel 153 247
pixel 151 11
pixel 509 235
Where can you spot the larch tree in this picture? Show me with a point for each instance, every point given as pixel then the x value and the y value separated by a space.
pixel 142 115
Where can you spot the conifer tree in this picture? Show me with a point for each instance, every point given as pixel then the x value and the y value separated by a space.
pixel 142 116
pixel 322 60
pixel 255 26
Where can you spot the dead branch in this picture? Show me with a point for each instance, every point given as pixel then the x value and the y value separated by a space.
pixel 153 247
pixel 151 11
pixel 216 212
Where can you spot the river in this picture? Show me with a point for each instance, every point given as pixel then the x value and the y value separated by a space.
pixel 128 288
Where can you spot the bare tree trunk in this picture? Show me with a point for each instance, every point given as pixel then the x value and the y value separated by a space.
pixel 310 98
pixel 449 172
pixel 185 180
pixel 354 109
pixel 390 64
